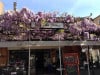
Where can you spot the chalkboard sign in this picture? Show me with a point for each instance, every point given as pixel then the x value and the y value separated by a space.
pixel 70 59
pixel 71 63
pixel 71 69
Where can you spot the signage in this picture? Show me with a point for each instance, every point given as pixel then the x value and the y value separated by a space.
pixel 71 69
pixel 70 58
pixel 71 63
pixel 53 25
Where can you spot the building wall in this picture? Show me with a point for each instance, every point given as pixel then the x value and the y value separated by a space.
pixel 97 20
pixel 1 7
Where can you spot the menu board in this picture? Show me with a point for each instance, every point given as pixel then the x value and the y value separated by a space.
pixel 71 69
pixel 71 63
pixel 70 59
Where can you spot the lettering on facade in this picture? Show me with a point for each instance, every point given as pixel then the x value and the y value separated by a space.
pixel 53 25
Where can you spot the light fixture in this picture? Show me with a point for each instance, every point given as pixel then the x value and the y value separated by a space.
pixel 84 48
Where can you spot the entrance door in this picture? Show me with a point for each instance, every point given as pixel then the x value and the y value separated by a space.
pixel 39 62
pixel 44 62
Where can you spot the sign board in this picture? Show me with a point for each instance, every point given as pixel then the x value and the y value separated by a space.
pixel 71 69
pixel 53 25
pixel 70 58
pixel 71 63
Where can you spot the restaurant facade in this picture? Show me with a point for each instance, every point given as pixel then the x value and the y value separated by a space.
pixel 45 43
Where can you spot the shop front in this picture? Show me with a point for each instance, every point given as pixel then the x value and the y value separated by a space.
pixel 75 60
pixel 42 61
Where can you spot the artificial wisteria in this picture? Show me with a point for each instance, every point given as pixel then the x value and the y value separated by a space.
pixel 24 24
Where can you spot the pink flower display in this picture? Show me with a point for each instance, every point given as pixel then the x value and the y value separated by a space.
pixel 19 25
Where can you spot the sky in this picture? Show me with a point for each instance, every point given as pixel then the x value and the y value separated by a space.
pixel 77 8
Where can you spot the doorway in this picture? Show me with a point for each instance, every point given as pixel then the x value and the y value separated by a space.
pixel 43 62
pixel 39 62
